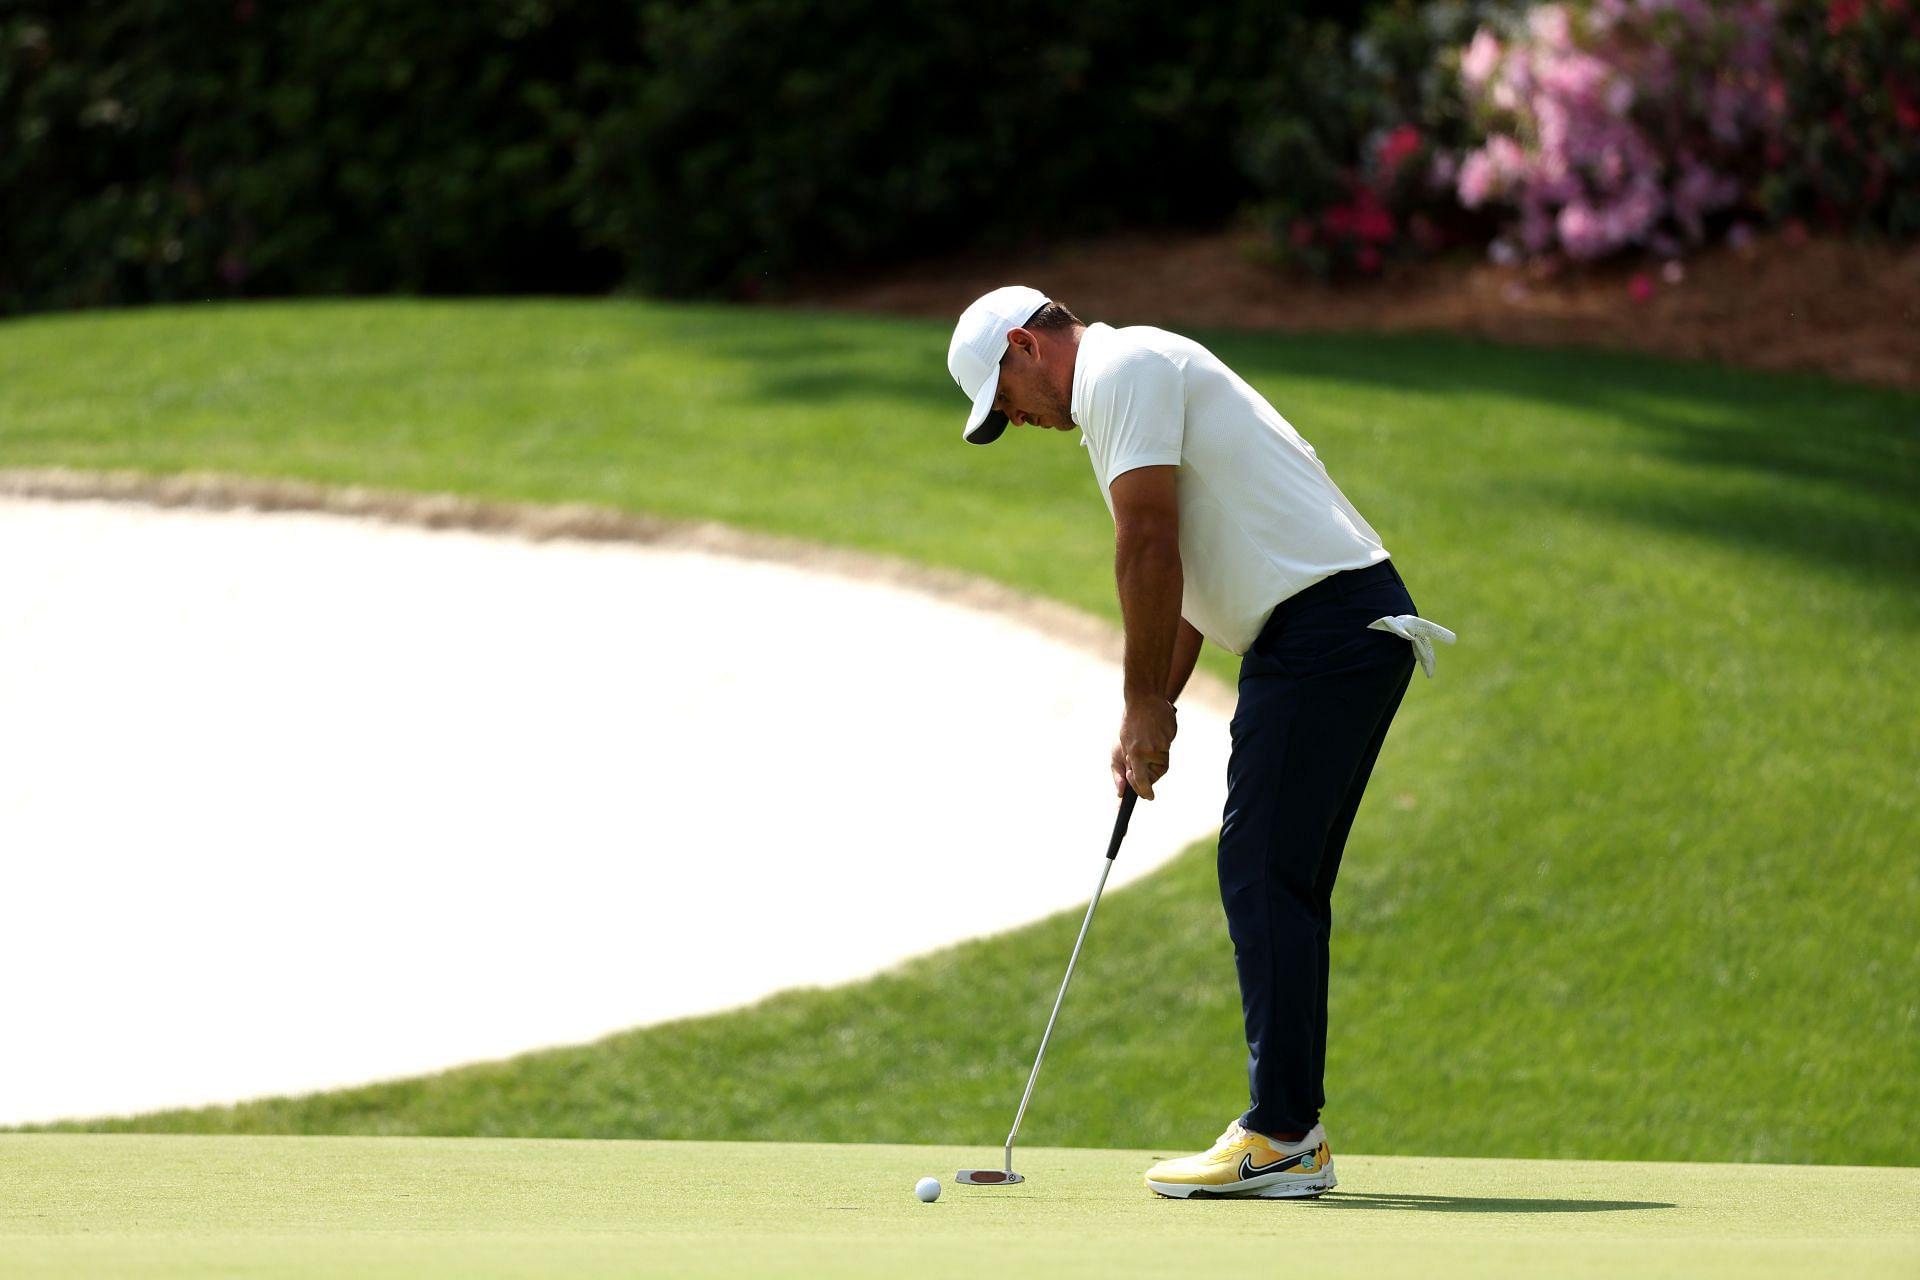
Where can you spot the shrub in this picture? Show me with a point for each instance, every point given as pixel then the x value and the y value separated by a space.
pixel 1621 123
pixel 1849 157
pixel 775 139
pixel 170 149
pixel 1359 172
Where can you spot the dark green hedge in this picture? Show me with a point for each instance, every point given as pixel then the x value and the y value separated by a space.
pixel 170 149
pixel 163 149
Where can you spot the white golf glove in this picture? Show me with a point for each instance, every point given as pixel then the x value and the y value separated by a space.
pixel 1418 632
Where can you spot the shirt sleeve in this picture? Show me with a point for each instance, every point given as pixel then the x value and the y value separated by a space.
pixel 1139 412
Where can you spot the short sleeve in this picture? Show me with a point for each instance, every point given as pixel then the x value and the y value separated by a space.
pixel 1138 412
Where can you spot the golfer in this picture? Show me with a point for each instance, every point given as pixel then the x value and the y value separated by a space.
pixel 1227 527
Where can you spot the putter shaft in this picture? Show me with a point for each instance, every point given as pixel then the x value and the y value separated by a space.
pixel 1113 850
pixel 1019 1115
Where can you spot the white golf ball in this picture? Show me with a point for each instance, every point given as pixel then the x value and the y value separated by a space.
pixel 928 1189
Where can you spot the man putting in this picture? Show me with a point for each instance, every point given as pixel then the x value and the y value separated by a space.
pixel 1226 526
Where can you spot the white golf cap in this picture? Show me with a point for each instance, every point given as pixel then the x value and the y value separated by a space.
pixel 979 341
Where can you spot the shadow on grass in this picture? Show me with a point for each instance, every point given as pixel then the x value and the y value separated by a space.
pixel 1819 470
pixel 1480 1204
pixel 817 359
pixel 1813 469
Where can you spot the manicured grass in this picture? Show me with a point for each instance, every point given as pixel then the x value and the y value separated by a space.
pixel 83 1206
pixel 1637 874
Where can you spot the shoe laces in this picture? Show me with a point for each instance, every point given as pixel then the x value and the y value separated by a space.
pixel 1235 1132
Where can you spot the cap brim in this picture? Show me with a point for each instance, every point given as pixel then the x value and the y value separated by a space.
pixel 989 431
pixel 985 423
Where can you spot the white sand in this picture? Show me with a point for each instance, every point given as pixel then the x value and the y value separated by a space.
pixel 295 801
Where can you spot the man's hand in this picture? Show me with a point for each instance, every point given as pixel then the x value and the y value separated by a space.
pixel 1143 754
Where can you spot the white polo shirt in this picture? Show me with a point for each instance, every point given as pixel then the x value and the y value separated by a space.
pixel 1260 519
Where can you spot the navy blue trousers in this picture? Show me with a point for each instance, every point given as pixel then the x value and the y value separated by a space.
pixel 1317 692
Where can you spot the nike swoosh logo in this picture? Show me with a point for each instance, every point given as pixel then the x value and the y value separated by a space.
pixel 1284 1163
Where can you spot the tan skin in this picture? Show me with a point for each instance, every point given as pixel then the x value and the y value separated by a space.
pixel 1036 390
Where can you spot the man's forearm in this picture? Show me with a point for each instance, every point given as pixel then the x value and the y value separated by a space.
pixel 1186 652
pixel 1147 571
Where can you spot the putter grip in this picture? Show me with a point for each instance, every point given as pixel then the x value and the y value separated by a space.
pixel 1120 823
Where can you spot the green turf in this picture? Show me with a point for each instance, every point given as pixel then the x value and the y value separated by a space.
pixel 84 1206
pixel 1637 873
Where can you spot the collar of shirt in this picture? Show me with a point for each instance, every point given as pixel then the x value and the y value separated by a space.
pixel 1090 342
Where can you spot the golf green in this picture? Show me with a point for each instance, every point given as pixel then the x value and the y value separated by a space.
pixel 161 1205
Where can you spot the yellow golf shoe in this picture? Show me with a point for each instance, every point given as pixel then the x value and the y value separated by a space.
pixel 1245 1164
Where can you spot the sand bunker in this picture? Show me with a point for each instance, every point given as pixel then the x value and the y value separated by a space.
pixel 290 800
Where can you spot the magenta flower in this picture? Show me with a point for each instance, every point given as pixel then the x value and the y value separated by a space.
pixel 1399 146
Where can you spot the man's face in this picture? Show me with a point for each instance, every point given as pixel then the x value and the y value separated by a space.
pixel 1031 392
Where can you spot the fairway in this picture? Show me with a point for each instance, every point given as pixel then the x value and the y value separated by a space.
pixel 147 1205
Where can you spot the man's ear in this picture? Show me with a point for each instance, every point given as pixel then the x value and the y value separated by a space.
pixel 1025 341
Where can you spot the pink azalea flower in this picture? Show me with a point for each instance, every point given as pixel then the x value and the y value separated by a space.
pixel 1477 64
pixel 1508 157
pixel 1582 233
pixel 1607 12
pixel 1554 125
pixel 1548 24
pixel 1612 165
pixel 1574 75
pixel 1603 97
pixel 1478 180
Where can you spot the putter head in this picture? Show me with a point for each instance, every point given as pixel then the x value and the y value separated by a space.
pixel 988 1177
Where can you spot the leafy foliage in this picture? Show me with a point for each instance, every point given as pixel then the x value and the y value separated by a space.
pixel 774 139
pixel 1361 174
pixel 1850 70
pixel 162 150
